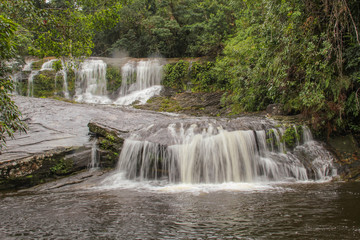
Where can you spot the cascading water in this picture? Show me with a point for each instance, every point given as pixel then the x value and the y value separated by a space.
pixel 48 66
pixel 63 73
pixel 140 81
pixel 30 91
pixel 94 163
pixel 16 78
pixel 91 82
pixel 196 154
pixel 33 73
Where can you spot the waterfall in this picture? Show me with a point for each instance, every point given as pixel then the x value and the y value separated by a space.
pixel 16 77
pixel 214 155
pixel 48 65
pixel 91 82
pixel 140 81
pixel 94 163
pixel 33 73
pixel 30 91
pixel 63 73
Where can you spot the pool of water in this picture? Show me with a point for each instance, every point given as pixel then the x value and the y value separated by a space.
pixel 134 210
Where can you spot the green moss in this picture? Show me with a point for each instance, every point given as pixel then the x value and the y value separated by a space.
pixel 110 137
pixel 62 167
pixel 113 76
pixel 44 84
pixel 169 105
pixel 290 137
pixel 57 65
pixel 21 87
pixel 71 81
pixel 38 64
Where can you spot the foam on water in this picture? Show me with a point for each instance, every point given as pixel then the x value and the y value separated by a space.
pixel 119 181
pixel 141 96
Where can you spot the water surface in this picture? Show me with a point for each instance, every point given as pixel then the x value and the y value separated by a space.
pixel 145 211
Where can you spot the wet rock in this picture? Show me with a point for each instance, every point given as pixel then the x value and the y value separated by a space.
pixel 109 143
pixel 347 150
pixel 195 104
pixel 43 167
pixel 275 109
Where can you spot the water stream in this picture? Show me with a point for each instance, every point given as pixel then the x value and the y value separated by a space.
pixel 200 153
pixel 246 211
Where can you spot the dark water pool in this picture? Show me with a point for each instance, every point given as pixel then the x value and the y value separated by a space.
pixel 285 211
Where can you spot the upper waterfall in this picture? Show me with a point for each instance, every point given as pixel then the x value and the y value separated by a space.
pixel 140 81
pixel 91 82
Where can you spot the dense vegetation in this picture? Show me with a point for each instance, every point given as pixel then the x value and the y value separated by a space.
pixel 10 115
pixel 304 54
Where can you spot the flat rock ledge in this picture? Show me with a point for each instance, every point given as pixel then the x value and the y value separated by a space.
pixel 44 167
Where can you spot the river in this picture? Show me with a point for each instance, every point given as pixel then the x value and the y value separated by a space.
pixel 157 210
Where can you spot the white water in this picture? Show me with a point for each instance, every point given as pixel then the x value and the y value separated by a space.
pixel 16 78
pixel 48 66
pixel 219 156
pixel 140 96
pixel 30 88
pixel 140 81
pixel 94 163
pixel 140 75
pixel 91 82
pixel 63 73
pixel 30 91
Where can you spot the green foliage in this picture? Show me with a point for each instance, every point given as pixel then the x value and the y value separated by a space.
pixel 176 75
pixel 286 52
pixel 60 28
pixel 57 65
pixel 9 113
pixel 170 28
pixel 290 137
pixel 194 76
pixel 114 79
pixel 202 77
pixel 44 84
pixel 169 105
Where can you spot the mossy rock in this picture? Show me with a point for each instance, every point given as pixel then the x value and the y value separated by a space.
pixel 41 168
pixel 114 80
pixel 109 144
pixel 38 64
pixel 291 136
pixel 44 84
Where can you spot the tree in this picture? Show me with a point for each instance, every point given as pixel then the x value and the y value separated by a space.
pixel 10 116
pixel 302 54
pixel 62 28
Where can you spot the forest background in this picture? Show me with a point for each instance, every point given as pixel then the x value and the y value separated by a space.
pixel 303 54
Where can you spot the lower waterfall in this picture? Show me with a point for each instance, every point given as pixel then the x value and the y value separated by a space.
pixel 214 155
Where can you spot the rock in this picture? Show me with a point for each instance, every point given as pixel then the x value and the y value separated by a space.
pixel 30 171
pixel 196 104
pixel 347 150
pixel 109 143
pixel 275 109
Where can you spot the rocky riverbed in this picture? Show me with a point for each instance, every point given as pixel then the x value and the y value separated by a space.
pixel 59 143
